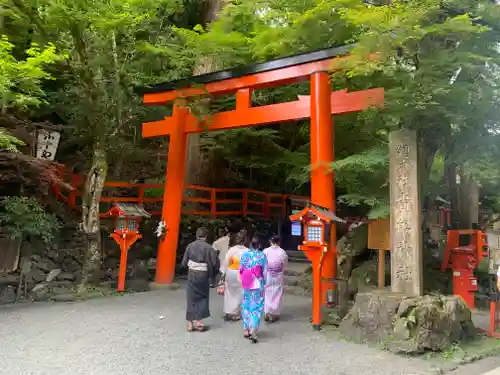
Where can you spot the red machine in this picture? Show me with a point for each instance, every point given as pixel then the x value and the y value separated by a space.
pixel 463 260
pixel 126 233
pixel 316 222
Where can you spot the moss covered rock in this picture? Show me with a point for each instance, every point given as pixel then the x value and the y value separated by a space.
pixel 408 324
pixel 365 277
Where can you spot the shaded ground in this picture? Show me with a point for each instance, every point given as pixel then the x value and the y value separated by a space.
pixel 124 335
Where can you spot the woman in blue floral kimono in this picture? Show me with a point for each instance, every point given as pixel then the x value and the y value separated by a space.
pixel 253 272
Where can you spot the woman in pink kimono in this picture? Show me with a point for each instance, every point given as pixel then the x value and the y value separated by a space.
pixel 277 260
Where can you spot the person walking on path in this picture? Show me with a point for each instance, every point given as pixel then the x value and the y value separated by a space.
pixel 253 272
pixel 233 293
pixel 200 259
pixel 221 246
pixel 277 260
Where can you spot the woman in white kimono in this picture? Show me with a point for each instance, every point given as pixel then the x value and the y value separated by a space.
pixel 233 292
pixel 277 260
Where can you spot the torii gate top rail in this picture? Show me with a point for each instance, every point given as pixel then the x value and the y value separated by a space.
pixel 226 81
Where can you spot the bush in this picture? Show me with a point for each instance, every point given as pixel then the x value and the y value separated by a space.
pixel 21 217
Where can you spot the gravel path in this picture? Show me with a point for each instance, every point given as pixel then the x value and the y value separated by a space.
pixel 124 335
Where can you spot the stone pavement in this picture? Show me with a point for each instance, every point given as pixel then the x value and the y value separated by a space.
pixel 125 336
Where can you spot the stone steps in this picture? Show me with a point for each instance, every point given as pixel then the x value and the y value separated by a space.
pixel 294 278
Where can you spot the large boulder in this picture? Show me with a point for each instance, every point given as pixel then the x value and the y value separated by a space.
pixel 408 324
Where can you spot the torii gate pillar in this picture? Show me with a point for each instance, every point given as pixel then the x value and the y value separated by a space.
pixel 172 198
pixel 322 154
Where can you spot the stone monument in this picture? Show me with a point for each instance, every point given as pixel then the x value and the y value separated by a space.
pixel 406 320
pixel 406 236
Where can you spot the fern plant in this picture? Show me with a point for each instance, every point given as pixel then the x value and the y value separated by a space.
pixel 8 142
pixel 22 217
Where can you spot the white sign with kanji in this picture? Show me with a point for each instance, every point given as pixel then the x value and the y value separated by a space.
pixel 47 142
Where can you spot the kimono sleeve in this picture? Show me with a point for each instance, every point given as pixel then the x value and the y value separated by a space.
pixel 285 260
pixel 264 267
pixel 225 262
pixel 185 258
pixel 211 257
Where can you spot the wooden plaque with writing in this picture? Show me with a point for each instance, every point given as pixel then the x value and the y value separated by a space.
pixel 379 234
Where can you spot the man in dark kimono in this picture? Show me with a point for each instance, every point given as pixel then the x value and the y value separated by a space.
pixel 200 259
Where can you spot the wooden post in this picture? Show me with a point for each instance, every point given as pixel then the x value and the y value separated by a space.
pixel 381 268
pixel 172 199
pixel 267 206
pixel 140 199
pixel 245 202
pixel 213 203
pixel 243 98
pixel 322 143
pixel 123 265
pixel 406 233
pixel 317 295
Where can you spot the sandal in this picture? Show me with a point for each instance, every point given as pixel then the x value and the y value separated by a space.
pixel 201 328
pixel 272 319
pixel 190 327
pixel 246 334
pixel 253 338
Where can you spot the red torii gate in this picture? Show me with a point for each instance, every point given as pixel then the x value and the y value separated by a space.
pixel 319 106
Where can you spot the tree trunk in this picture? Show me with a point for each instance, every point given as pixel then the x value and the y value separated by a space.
pixel 90 216
pixel 348 247
pixel 3 99
pixel 469 201
pixel 451 177
pixel 196 163
pixel 345 263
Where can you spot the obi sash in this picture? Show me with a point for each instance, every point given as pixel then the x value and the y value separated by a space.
pixel 250 277
pixel 234 263
pixel 275 268
pixel 195 266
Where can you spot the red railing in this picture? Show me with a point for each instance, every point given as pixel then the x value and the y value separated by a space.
pixel 198 200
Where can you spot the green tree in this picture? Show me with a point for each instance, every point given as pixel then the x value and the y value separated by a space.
pixel 111 47
pixel 434 60
pixel 21 80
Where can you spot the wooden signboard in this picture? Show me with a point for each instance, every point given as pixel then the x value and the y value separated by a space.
pixel 379 238
pixel 379 232
pixel 47 143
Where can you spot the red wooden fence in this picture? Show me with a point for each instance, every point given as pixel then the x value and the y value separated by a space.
pixel 206 201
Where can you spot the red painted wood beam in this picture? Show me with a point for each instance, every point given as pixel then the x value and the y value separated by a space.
pixel 341 102
pixel 271 78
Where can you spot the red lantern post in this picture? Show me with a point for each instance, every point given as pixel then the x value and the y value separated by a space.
pixel 126 233
pixel 316 222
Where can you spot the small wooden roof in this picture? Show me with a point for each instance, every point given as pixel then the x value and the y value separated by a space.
pixel 320 212
pixel 128 210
